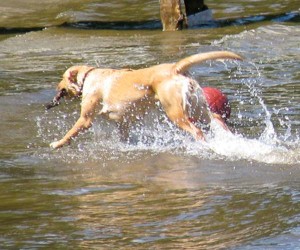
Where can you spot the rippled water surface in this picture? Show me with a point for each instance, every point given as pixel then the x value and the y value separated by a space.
pixel 163 190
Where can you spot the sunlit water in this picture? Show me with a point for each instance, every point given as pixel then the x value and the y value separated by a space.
pixel 163 190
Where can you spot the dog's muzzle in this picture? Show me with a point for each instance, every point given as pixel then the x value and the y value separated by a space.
pixel 56 99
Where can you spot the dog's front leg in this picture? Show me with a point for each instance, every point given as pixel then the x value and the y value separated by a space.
pixel 84 122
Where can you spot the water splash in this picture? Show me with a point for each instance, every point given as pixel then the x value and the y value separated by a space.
pixel 264 149
pixel 157 135
pixel 263 132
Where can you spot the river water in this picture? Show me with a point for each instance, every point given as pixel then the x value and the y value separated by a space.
pixel 163 190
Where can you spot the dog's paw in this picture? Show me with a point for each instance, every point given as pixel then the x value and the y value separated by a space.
pixel 56 144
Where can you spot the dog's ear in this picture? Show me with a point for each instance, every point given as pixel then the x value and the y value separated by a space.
pixel 69 77
pixel 72 76
pixel 73 86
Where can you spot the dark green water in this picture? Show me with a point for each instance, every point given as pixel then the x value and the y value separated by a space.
pixel 164 191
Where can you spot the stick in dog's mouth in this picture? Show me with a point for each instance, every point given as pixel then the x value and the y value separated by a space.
pixel 56 99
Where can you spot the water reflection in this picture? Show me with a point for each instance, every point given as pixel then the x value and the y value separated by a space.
pixel 82 208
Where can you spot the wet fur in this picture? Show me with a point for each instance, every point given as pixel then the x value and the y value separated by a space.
pixel 121 95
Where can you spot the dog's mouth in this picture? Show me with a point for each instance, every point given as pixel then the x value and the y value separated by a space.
pixel 56 99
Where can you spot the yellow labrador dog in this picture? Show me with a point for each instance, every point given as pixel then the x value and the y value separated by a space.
pixel 123 95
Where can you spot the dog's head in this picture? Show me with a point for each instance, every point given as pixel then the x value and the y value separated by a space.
pixel 71 84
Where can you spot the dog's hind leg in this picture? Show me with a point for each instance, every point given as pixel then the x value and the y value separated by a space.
pixel 179 118
pixel 174 105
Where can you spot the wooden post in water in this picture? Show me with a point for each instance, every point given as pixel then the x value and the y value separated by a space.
pixel 171 15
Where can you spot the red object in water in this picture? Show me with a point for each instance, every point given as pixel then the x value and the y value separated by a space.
pixel 217 102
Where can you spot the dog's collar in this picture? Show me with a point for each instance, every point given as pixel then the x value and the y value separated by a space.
pixel 81 84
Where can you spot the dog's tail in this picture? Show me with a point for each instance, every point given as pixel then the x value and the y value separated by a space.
pixel 183 65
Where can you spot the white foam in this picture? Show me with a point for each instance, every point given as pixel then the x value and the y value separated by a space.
pixel 267 149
